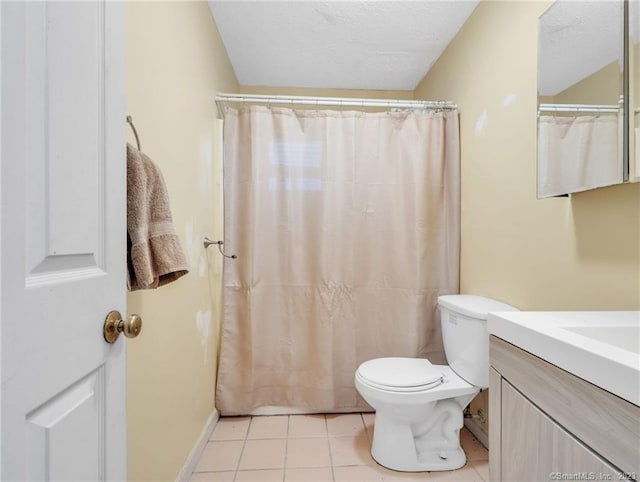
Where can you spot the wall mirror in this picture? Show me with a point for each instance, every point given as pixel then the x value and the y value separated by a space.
pixel 634 90
pixel 581 115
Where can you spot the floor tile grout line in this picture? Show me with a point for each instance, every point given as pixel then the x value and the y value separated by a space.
pixel 286 448
pixel 326 426
pixel 366 431
pixel 473 464
pixel 244 444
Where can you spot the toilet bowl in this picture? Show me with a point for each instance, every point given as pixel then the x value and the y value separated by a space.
pixel 419 405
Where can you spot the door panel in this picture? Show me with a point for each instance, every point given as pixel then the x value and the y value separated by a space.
pixel 65 434
pixel 73 151
pixel 63 240
pixel 65 121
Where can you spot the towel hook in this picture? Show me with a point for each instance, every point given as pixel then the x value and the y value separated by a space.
pixel 207 242
pixel 135 132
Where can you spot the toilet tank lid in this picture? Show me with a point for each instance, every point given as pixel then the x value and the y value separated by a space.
pixel 473 306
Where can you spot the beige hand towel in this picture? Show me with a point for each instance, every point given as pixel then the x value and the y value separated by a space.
pixel 154 254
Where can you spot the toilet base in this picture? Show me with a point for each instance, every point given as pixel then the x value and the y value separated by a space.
pixel 433 444
pixel 431 462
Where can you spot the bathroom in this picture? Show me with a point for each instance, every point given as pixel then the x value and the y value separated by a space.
pixel 553 254
pixel 561 253
pixel 512 244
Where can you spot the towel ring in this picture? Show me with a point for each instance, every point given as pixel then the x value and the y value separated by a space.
pixel 135 132
pixel 207 242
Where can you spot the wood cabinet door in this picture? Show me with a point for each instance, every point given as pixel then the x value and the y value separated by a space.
pixel 534 447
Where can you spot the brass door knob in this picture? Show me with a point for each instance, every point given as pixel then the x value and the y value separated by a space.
pixel 114 325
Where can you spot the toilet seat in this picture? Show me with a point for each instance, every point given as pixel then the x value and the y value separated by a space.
pixel 400 374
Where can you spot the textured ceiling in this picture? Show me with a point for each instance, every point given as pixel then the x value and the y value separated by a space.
pixel 382 45
pixel 577 39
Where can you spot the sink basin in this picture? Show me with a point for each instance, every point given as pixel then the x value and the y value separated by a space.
pixel 601 347
pixel 623 337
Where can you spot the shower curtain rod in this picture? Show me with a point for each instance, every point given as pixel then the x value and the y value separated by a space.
pixel 223 99
pixel 613 109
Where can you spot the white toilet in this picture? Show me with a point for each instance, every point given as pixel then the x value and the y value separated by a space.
pixel 419 405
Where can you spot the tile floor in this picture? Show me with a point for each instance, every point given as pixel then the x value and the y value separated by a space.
pixel 309 448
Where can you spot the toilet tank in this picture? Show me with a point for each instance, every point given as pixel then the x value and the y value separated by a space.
pixel 465 336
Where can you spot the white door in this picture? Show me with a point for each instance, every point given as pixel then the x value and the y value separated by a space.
pixel 63 240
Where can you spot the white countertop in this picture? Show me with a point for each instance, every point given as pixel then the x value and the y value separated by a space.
pixel 601 347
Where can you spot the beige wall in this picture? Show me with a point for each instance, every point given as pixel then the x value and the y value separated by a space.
pixel 354 93
pixel 577 253
pixel 176 64
pixel 602 87
pixel 349 93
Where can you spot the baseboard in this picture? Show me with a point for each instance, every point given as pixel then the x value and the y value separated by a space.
pixel 196 451
pixel 478 433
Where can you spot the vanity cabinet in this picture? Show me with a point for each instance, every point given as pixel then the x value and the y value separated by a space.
pixel 547 424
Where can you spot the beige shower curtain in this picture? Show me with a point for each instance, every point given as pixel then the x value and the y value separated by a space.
pixel 346 226
pixel 578 153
